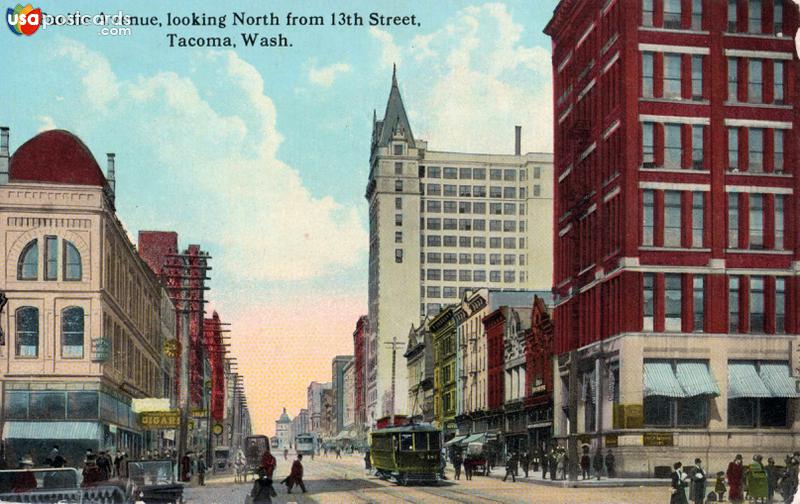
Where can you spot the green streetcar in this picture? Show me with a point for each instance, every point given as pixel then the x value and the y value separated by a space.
pixel 411 453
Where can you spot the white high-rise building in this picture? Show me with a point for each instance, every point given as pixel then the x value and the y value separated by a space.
pixel 442 223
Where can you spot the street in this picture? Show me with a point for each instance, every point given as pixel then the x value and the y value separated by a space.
pixel 344 480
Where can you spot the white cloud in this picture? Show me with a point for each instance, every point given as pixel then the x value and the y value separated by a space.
pixel 269 226
pixel 390 52
pixel 325 76
pixel 474 80
pixel 98 79
pixel 47 123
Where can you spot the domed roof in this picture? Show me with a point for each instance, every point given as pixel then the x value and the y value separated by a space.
pixel 284 417
pixel 55 156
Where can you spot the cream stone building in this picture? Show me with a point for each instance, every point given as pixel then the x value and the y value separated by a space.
pixel 84 322
pixel 442 223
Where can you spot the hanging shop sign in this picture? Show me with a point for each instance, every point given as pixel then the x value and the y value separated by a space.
pixel 154 420
pixel 217 429
pixel 171 348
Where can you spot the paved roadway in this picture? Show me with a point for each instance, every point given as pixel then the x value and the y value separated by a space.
pixel 344 480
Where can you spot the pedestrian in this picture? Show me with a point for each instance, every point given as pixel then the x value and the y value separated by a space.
pixel 511 467
pixel 611 468
pixel 367 460
pixel 104 464
pixel 295 476
pixel 562 464
pixel 55 459
pixel 735 475
pixel 545 458
pixel 442 463
pixel 468 467
pixel 285 453
pixel 772 478
pixel 597 463
pixel 553 463
pixel 457 460
pixel 585 463
pixel 92 475
pixel 338 453
pixel 525 461
pixel 186 467
pixel 201 470
pixel 117 462
pixel 24 481
pixel 756 480
pixel 719 486
pixel 262 491
pixel 697 488
pixel 268 464
pixel 678 485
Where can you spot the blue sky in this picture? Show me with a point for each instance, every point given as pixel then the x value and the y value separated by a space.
pixel 261 154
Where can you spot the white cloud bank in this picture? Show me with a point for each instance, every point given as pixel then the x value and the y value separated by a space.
pixel 326 76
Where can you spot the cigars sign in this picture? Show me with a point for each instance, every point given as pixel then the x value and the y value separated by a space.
pixel 155 420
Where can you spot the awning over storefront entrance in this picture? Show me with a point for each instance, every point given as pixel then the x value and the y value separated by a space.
pixel 778 380
pixel 695 379
pixel 51 430
pixel 743 381
pixel 660 380
pixel 454 441
pixel 474 438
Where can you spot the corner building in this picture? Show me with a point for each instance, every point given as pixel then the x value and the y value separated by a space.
pixel 676 259
pixel 443 223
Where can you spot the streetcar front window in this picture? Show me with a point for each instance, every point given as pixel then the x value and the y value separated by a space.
pixel 406 442
pixel 433 439
pixel 420 441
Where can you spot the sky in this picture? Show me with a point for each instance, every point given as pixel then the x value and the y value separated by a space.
pixel 261 154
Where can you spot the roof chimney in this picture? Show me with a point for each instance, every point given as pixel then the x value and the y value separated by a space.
pixel 111 175
pixel 3 154
pixel 518 140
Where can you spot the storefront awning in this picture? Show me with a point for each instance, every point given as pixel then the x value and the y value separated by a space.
pixel 778 380
pixel 743 381
pixel 660 380
pixel 695 379
pixel 455 440
pixel 51 430
pixel 474 438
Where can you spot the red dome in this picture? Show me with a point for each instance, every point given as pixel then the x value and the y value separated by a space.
pixel 55 156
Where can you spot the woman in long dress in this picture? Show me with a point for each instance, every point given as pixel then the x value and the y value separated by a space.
pixel 735 475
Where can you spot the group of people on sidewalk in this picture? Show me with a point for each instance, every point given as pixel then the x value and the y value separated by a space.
pixel 263 491
pixel 755 482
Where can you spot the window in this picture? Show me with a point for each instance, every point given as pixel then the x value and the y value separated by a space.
pixel 672 75
pixel 732 15
pixel 697 147
pixel 479 191
pixel 733 304
pixel 733 220
pixel 509 208
pixel 755 82
pixel 398 255
pixel 72 262
pixel 496 208
pixel 777 17
pixel 450 224
pixel 780 306
pixel 648 280
pixel 479 207
pixel 48 406
pixel 697 14
pixel 450 207
pixel 433 292
pixel 434 190
pixel 82 405
pixel 465 173
pixel 777 81
pixel 509 175
pixel 672 218
pixel 647 74
pixel 647 217
pixel 450 241
pixel 733 149
pixel 479 276
pixel 398 168
pixel 509 276
pixel 398 203
pixel 779 221
pixel 672 304
pixel 398 237
pixel 509 259
pixel 72 323
pixel 449 190
pixel 494 276
pixel 434 257
pixel 537 172
pixel 510 226
pixel 672 146
pixel 398 219
pixel 495 259
pixel 28 265
pixel 494 243
pixel 755 412
pixel 398 149
pixel 450 173
pixel 647 12
pixel 648 146
pixel 465 225
pixel 479 174
pixel 27 335
pixel 479 258
pixel 398 185
pixel 464 207
pixel 479 242
pixel 697 76
pixel 464 275
pixel 16 407
pixel 509 243
pixel 495 192
pixel 464 191
pixel 537 190
pixel 733 80
pixel 434 172
pixel 434 224
pixel 434 241
pixel 756 221
pixel 510 192
pixel 754 16
pixel 672 14
pixel 756 304
pixel 697 219
pixel 777 156
pixel 450 275
pixel 698 303
pixel 51 258
pixel 478 224
pixel 664 411
pixel 449 292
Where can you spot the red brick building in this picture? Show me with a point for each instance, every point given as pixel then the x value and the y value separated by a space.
pixel 539 376
pixel 359 364
pixel 215 356
pixel 494 324
pixel 676 270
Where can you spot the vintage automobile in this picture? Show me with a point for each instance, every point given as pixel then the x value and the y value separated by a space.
pixel 411 453
pixel 56 485
pixel 222 458
pixel 153 481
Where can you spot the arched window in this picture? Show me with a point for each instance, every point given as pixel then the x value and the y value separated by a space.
pixel 27 340
pixel 28 265
pixel 72 332
pixel 72 262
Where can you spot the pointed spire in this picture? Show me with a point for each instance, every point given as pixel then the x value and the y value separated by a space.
pixel 374 116
pixel 394 74
pixel 395 120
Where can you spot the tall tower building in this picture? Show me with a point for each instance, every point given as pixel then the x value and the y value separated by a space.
pixel 677 257
pixel 442 223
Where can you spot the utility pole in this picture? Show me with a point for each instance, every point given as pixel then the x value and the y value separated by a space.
pixel 394 344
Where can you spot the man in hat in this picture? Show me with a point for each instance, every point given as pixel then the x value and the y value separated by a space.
pixel 295 476
pixel 24 481
pixel 92 475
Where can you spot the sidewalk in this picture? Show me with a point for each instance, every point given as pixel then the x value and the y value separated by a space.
pixel 536 478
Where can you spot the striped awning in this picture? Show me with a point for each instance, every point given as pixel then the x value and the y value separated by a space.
pixel 52 430
pixel 660 380
pixel 778 380
pixel 474 438
pixel 744 381
pixel 455 440
pixel 695 379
